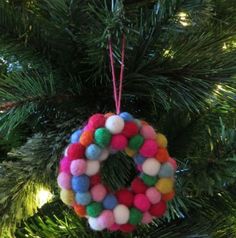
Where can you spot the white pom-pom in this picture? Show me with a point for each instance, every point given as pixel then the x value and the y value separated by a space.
pixel 115 124
pixel 93 167
pixel 94 224
pixel 104 155
pixel 151 167
pixel 66 151
pixel 121 214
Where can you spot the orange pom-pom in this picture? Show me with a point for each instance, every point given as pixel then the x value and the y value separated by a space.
pixel 80 210
pixel 86 138
pixel 162 155
pixel 168 196
pixel 108 114
pixel 144 122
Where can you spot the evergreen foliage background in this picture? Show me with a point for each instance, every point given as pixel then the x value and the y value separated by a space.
pixel 180 75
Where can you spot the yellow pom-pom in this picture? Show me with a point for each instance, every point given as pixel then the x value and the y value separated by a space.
pixel 165 185
pixel 161 140
pixel 130 152
pixel 67 196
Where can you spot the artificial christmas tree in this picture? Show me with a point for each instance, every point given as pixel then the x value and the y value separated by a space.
pixel 179 75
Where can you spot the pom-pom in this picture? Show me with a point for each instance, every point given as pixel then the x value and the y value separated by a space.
pixel 114 227
pixel 151 167
pixel 138 123
pixel 83 198
pixel 108 114
pixel 141 202
pixel 65 165
pixel 173 163
pixel 79 210
pixel 67 196
pixel 75 136
pixel 136 142
pixel 165 185
pixel 158 210
pixel 93 152
pixel 80 183
pixel 130 152
pixel 78 167
pixel 135 216
pixel 138 186
pixel 94 224
pixel 104 155
pixel 149 180
pixel 130 129
pixel 95 179
pixel 149 148
pixel 75 151
pixel 127 228
pixel 109 202
pixel 153 195
pixel 115 124
pixel 63 180
pixel 98 192
pixel 148 132
pixel 147 218
pixel 168 196
pixel 138 159
pixel 126 116
pixel 102 137
pixel 119 142
pixel 86 138
pixel 92 168
pixel 166 170
pixel 106 219
pixel 121 214
pixel 162 155
pixel 125 197
pixel 96 120
pixel 94 209
pixel 161 140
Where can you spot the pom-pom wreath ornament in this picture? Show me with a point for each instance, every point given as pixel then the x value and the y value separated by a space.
pixel 80 180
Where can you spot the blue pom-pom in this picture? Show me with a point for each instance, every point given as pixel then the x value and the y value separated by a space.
pixel 75 136
pixel 166 170
pixel 93 152
pixel 126 116
pixel 138 159
pixel 83 198
pixel 80 183
pixel 109 202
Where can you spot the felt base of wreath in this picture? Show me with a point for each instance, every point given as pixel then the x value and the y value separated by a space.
pixel 80 180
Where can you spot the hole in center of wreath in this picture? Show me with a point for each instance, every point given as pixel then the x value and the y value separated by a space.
pixel 118 171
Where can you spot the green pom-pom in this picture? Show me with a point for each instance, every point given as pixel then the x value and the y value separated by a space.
pixel 94 209
pixel 136 142
pixel 149 180
pixel 135 216
pixel 102 137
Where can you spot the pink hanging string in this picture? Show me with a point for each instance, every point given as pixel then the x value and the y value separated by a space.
pixel 117 97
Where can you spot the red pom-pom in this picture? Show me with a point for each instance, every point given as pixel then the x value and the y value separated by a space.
pixel 97 120
pixel 138 186
pixel 130 129
pixel 125 197
pixel 127 228
pixel 75 151
pixel 119 142
pixel 95 179
pixel 149 148
pixel 158 210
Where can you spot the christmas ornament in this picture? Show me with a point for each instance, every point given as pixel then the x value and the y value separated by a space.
pixel 104 134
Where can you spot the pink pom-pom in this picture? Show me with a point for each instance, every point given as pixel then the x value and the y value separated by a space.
pixel 149 148
pixel 173 163
pixel 139 167
pixel 153 195
pixel 96 121
pixel 78 167
pixel 148 132
pixel 147 218
pixel 141 202
pixel 64 180
pixel 98 192
pixel 114 227
pixel 106 219
pixel 65 165
pixel 119 142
